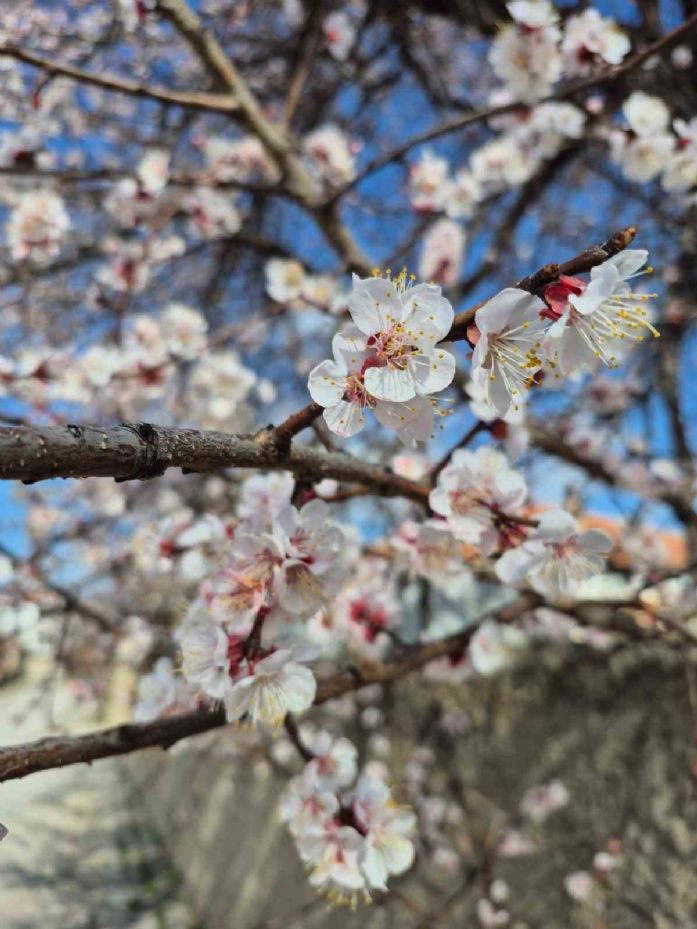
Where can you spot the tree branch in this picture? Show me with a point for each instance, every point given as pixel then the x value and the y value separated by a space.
pixel 197 100
pixel 57 752
pixel 607 76
pixel 138 451
pixel 579 264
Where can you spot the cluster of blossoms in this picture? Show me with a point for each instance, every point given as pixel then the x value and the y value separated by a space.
pixel 647 148
pixel 340 34
pixel 331 156
pixel 575 324
pixel 481 499
pixel 148 197
pixel 557 557
pixel 288 282
pixel 390 361
pixel 37 226
pixel 527 138
pixel 144 363
pixel 351 838
pixel 533 53
pixel 529 56
pixel 264 580
pixel 583 886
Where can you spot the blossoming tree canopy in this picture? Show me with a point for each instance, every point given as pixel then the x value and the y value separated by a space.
pixel 356 312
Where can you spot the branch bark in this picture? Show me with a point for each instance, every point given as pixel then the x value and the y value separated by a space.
pixel 197 100
pixel 138 451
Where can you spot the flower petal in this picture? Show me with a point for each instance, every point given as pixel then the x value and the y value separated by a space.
pixel 345 419
pixel 327 383
pixel 373 302
pixel 501 310
pixel 434 373
pixel 390 383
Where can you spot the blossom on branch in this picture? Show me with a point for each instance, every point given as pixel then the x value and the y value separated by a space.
pixel 266 691
pixel 390 361
pixel 597 319
pixel 37 226
pixel 352 840
pixel 507 336
pixel 475 493
pixel 557 558
pixel 525 55
pixel 591 41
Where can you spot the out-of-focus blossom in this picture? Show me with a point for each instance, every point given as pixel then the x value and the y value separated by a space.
pixel 591 40
pixel 442 253
pixel 37 226
pixel 557 558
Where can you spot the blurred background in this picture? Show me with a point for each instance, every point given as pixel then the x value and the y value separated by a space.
pixel 157 265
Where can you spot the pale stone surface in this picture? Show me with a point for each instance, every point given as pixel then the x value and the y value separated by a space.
pixel 81 852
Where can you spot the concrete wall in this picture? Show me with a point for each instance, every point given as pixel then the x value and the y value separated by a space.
pixel 617 729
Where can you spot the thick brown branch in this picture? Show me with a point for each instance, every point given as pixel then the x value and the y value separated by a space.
pixel 297 181
pixel 140 451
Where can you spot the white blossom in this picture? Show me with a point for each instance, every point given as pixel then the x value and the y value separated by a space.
pixel 389 362
pixel 402 326
pixel 153 171
pixel 158 692
pixel 334 764
pixel 212 213
pixel 493 646
pixel 442 253
pixel 643 158
pixel 266 691
pixel 508 336
pixel 37 226
pixel 428 182
pixel 527 59
pixel 557 558
pixel 238 159
pixel 329 152
pixel 471 490
pixel 312 570
pixel 285 278
pixel 340 34
pixel 534 14
pixel 541 801
pixel 388 848
pixel 646 115
pixel 680 171
pixel 489 916
pixel 579 885
pixel 462 194
pixel 591 40
pixel 205 661
pixel 184 330
pixel 597 320
pixel 262 497
pixel 331 851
